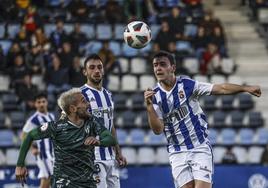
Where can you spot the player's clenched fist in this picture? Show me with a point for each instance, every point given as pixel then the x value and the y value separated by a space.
pixel 92 141
pixel 21 174
pixel 148 96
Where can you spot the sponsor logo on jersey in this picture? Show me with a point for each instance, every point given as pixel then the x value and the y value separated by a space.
pixel 44 126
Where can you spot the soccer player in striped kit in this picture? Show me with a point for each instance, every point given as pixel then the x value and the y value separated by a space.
pixel 102 106
pixel 42 149
pixel 173 108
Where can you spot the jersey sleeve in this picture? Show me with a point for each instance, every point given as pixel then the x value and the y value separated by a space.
pixel 202 88
pixel 28 126
pixel 47 130
pixel 157 108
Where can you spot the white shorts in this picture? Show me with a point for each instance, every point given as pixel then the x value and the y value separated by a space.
pixel 108 177
pixel 195 164
pixel 45 167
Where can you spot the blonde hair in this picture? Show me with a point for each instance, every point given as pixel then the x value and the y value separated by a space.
pixel 68 98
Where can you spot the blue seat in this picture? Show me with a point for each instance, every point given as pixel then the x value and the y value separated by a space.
pixel 246 136
pixel 145 51
pixel 6 138
pixel 184 46
pixel 128 51
pixel 219 118
pixel 115 47
pixel 17 119
pixel 137 101
pixel 172 3
pixel 154 139
pixel 93 47
pixel 227 102
pixel 5 44
pixel 103 32
pixel 2 30
pixel 237 118
pixel 245 101
pixel 121 136
pixel 255 119
pixel 89 30
pixel 119 31
pixel 52 102
pixel 212 136
pixel 190 30
pixel 144 119
pixel 120 100
pixel 9 101
pixel 2 119
pixel 13 29
pixel 128 118
pixel 209 102
pixel 137 137
pixel 262 136
pixel 48 28
pixel 155 29
pixel 228 136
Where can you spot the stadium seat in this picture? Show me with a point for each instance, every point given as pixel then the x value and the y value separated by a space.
pixel 262 136
pixel 218 153
pixel 200 78
pixel 2 30
pixel 246 136
pixel 115 47
pixel 130 154
pixel 128 118
pixel 121 136
pixel 38 80
pixel 124 63
pixel 2 120
pixel 119 31
pixel 254 154
pixel 263 15
pixel 155 29
pixel 4 83
pixel 129 83
pixel 161 156
pixel 209 102
pixel 128 51
pixel 17 119
pixel 137 137
pixel 153 139
pixel 52 102
pixel 103 32
pixel 228 136
pixel 138 65
pixel 146 81
pixel 146 50
pixel 227 102
pixel 228 66
pixel 219 118
pixel 9 101
pixel 234 79
pixel 190 30
pixel 137 100
pixel 114 83
pixel 13 30
pixel 68 28
pixel 255 119
pixel 241 154
pixel 245 101
pixel 30 159
pixel 2 158
pixel 5 44
pixel 6 138
pixel 93 47
pixel 146 156
pixel 12 156
pixel 192 65
pixel 120 100
pixel 213 136
pixel 184 46
pixel 237 118
pixel 141 119
pixel 217 79
pixel 89 30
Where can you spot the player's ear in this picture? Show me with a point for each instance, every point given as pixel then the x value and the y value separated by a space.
pixel 84 72
pixel 173 68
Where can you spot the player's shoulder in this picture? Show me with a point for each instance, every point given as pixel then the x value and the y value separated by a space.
pixel 183 78
pixel 34 118
pixel 107 91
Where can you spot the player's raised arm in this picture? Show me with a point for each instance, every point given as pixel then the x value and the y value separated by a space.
pixel 227 89
pixel 155 123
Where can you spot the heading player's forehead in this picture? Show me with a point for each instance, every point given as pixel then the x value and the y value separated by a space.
pixel 161 60
pixel 95 62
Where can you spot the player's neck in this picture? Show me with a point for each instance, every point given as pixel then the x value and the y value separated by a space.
pixel 94 85
pixel 76 120
pixel 168 84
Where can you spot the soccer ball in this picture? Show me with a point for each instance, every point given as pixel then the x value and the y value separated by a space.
pixel 137 34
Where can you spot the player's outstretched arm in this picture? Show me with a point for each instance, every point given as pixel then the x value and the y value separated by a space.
pixel 155 123
pixel 228 89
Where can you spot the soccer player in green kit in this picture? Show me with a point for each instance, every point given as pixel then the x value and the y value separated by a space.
pixel 73 139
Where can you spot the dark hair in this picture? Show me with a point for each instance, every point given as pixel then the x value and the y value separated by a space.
pixel 170 56
pixel 92 56
pixel 40 95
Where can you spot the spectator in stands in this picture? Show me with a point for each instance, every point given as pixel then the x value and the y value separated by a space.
pixel 194 8
pixel 34 59
pixel 211 60
pixel 132 10
pixel 176 23
pixel 150 11
pixel 164 36
pixel 200 42
pixel 229 157
pixel 255 5
pixel 109 62
pixel 32 20
pixel 79 10
pixel 22 38
pixel 76 75
pixel 57 79
pixel 18 70
pixel 40 38
pixel 23 4
pixel 2 60
pixel 77 38
pixel 8 11
pixel 66 55
pixel 209 22
pixel 13 52
pixel 218 38
pixel 25 90
pixel 264 157
pixel 113 12
pixel 178 56
pixel 58 36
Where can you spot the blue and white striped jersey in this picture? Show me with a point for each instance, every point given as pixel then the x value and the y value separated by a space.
pixel 185 124
pixel 44 145
pixel 102 106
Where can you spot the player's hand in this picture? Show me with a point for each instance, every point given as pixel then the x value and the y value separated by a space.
pixel 122 161
pixel 148 96
pixel 92 141
pixel 21 174
pixel 254 90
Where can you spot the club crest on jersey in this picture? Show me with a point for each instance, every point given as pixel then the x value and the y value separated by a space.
pixel 181 94
pixel 44 126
